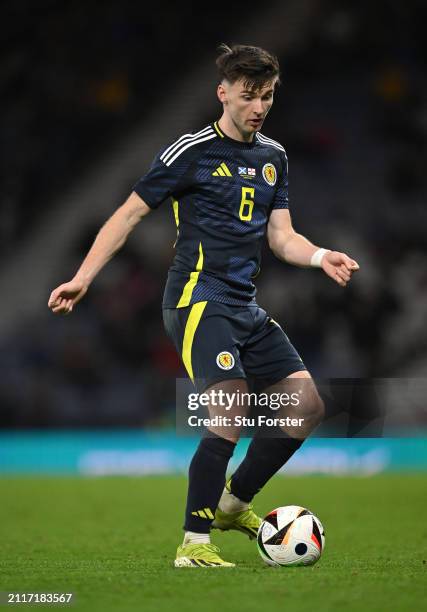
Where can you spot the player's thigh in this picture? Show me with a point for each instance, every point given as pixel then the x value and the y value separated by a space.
pixel 204 338
pixel 268 355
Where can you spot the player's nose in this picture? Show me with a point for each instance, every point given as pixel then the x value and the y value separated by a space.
pixel 257 106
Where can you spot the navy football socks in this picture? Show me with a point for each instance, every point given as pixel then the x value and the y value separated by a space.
pixel 265 456
pixel 206 482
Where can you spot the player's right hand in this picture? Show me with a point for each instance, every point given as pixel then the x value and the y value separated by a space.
pixel 66 296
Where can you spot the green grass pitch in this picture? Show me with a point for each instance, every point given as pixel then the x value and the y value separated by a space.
pixel 112 540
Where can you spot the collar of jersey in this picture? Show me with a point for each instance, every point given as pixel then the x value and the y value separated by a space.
pixel 232 141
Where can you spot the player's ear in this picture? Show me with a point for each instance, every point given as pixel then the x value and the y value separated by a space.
pixel 221 93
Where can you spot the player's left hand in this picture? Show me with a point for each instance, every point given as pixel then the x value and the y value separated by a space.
pixel 339 267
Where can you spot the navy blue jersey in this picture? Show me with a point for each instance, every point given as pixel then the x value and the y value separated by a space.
pixel 223 191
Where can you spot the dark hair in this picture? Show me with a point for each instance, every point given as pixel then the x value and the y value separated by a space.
pixel 254 65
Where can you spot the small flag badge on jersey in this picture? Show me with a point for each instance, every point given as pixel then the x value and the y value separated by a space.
pixel 247 173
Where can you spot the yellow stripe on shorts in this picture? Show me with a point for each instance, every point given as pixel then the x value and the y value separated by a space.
pixel 193 321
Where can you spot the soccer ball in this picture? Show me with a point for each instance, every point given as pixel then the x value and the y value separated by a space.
pixel 291 535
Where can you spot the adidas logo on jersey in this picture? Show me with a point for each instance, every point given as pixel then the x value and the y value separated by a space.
pixel 222 170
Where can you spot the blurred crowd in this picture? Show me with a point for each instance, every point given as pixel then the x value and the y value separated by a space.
pixel 352 115
pixel 75 76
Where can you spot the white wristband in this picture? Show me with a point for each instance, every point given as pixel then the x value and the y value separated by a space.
pixel 316 258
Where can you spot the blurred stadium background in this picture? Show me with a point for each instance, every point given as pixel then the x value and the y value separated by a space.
pixel 90 92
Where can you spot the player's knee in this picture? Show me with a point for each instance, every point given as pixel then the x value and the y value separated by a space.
pixel 319 409
pixel 313 410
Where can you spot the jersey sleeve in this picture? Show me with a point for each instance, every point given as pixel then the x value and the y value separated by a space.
pixel 281 199
pixel 163 179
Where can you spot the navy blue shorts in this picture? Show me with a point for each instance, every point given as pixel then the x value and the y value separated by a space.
pixel 219 342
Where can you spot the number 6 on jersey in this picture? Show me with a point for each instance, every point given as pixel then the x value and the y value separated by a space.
pixel 247 203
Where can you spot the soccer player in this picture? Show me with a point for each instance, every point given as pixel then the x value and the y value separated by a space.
pixel 229 188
